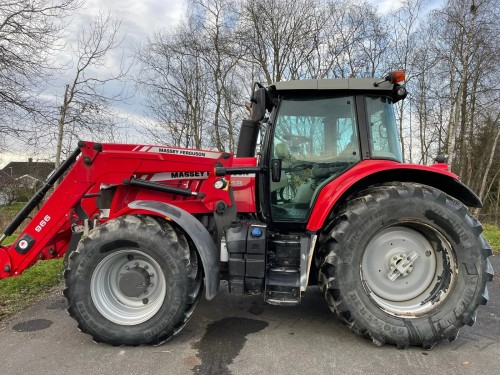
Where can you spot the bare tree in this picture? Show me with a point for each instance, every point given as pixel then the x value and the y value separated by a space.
pixel 457 69
pixel 30 33
pixel 86 104
pixel 280 36
pixel 427 103
pixel 358 40
pixel 220 52
pixel 173 78
pixel 190 77
pixel 8 188
pixel 467 51
pixel 404 41
pixel 488 179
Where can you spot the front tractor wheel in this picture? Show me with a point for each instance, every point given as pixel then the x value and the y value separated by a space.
pixel 132 281
pixel 405 264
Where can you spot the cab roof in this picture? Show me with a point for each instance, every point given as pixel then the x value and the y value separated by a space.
pixel 363 84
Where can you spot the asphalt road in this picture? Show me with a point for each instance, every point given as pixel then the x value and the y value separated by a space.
pixel 241 335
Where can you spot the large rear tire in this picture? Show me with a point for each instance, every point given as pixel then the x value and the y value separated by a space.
pixel 405 264
pixel 134 280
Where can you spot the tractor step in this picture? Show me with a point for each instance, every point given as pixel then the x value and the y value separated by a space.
pixel 284 297
pixel 283 270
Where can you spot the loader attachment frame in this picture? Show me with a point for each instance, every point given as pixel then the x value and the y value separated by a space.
pixel 73 207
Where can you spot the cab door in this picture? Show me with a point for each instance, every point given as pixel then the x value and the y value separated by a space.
pixel 316 140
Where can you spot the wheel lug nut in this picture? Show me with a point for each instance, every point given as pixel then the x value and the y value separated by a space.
pixel 428 253
pixel 146 266
pixel 136 264
pixel 145 301
pixel 151 285
pixel 151 275
pixel 127 267
pixel 146 292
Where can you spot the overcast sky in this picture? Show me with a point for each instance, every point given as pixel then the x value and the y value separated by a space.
pixel 139 18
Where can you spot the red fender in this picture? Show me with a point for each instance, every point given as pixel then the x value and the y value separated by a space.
pixel 369 172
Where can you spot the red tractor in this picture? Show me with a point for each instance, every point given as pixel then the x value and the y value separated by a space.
pixel 144 229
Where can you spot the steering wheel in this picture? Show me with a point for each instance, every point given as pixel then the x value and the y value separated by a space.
pixel 296 139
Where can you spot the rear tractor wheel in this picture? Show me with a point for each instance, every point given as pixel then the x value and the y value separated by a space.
pixel 132 281
pixel 406 265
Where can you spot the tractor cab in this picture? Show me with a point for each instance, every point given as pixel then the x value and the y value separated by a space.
pixel 317 130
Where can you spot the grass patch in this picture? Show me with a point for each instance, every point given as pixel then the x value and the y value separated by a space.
pixel 492 234
pixel 17 293
pixel 7 213
pixel 10 239
pixel 14 208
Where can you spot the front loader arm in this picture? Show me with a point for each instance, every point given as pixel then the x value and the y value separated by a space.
pixel 44 237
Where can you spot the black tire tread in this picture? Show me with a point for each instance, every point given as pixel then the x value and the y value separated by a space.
pixel 154 227
pixel 342 221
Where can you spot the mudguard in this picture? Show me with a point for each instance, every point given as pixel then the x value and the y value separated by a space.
pixel 209 254
pixel 371 172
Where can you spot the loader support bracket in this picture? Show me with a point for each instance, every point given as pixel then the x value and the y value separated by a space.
pixel 24 243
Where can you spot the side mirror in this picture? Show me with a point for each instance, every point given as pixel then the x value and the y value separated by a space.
pixel 276 170
pixel 258 104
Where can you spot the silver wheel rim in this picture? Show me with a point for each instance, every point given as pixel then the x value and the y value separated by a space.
pixel 115 302
pixel 422 285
